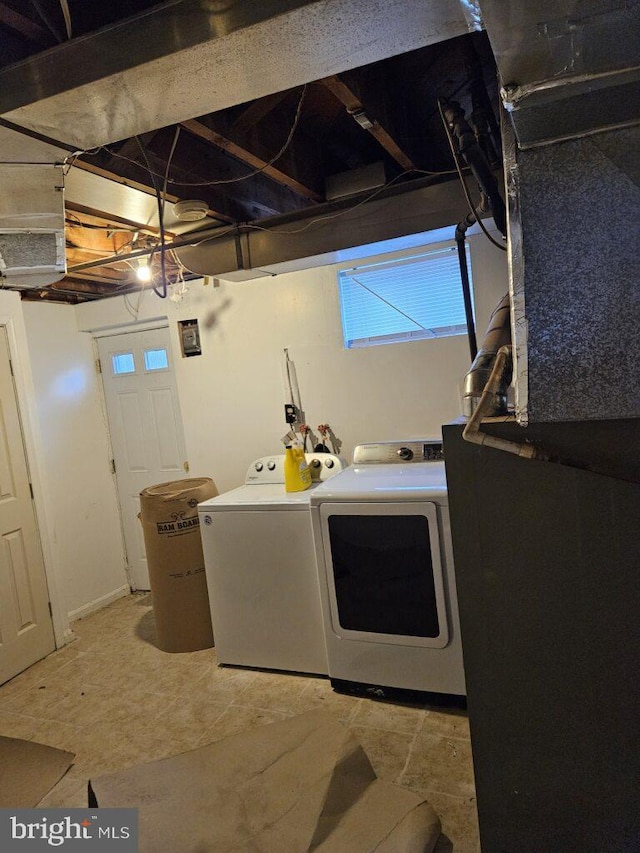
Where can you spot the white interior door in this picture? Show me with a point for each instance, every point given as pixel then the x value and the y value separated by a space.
pixel 146 427
pixel 26 630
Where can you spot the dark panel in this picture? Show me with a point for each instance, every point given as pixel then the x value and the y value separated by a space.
pixel 547 560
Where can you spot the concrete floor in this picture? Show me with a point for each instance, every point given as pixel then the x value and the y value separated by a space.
pixel 114 699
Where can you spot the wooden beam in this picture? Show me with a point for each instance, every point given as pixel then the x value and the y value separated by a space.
pixel 80 254
pixel 214 138
pixel 145 188
pixel 95 278
pixel 355 108
pixel 44 294
pixel 109 220
pixel 256 111
pixel 95 287
pixel 25 26
pixel 98 241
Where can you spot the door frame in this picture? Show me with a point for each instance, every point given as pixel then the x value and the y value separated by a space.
pixel 27 413
pixel 111 332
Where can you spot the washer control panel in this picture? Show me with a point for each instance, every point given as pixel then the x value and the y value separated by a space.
pixel 412 450
pixel 270 469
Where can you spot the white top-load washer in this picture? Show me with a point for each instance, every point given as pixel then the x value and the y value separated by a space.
pixel 261 569
pixel 385 562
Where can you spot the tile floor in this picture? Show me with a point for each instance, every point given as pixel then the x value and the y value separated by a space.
pixel 114 699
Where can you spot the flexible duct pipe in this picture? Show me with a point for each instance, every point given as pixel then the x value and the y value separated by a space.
pixel 498 334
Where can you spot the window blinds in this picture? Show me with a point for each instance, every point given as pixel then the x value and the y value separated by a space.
pixel 415 297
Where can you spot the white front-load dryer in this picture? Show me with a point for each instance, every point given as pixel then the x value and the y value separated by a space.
pixel 385 562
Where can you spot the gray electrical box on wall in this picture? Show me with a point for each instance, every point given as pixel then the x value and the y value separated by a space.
pixel 189 337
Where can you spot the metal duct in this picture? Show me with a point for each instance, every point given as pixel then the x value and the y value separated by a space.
pixel 568 68
pixel 187 58
pixel 283 244
pixel 32 245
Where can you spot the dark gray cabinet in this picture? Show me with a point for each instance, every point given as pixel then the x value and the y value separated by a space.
pixel 547 561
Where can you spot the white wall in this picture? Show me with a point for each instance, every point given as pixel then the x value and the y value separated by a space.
pixel 82 512
pixel 232 396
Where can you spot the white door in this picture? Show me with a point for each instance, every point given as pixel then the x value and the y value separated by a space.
pixel 26 630
pixel 145 425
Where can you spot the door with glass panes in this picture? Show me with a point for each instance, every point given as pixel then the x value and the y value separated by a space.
pixel 145 423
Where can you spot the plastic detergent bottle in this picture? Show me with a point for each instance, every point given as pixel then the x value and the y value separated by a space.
pixel 297 476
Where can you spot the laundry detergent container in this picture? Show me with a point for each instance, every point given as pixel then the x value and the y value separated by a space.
pixel 169 517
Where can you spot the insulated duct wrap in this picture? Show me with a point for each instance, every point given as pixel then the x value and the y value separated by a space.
pixel 498 334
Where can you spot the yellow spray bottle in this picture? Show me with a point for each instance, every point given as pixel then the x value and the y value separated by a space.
pixel 297 476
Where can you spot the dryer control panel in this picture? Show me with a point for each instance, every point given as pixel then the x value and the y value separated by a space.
pixel 412 450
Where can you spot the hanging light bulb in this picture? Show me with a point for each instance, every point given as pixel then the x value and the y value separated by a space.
pixel 143 270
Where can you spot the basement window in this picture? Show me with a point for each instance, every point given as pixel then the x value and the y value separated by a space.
pixel 405 299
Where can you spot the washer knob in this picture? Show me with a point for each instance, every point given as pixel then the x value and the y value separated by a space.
pixel 271 464
pixel 316 463
pixel 259 466
pixel 405 453
pixel 329 463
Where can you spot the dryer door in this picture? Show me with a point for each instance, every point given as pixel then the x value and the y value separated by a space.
pixel 384 572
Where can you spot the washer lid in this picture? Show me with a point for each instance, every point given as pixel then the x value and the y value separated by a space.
pixel 264 496
pixel 385 482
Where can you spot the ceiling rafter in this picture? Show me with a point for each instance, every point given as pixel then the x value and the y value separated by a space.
pixel 258 110
pixel 101 278
pixel 355 108
pixel 197 128
pixel 128 182
pixel 24 26
pixel 79 215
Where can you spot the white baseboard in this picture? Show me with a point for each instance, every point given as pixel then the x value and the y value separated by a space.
pixel 99 603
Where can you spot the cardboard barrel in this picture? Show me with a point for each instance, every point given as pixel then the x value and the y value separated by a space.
pixel 169 517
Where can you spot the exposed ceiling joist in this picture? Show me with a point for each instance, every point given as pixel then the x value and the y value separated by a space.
pixel 102 276
pixel 25 26
pixel 197 128
pixel 368 122
pixel 256 111
pixel 236 104
pixel 127 182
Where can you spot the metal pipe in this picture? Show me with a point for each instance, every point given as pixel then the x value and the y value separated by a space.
pixel 477 162
pixel 472 431
pixel 318 212
pixel 460 238
pixel 196 237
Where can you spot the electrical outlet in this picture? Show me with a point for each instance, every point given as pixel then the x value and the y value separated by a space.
pixel 189 337
pixel 290 413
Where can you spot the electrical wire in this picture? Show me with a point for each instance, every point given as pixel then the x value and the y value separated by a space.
pixel 221 181
pixel 166 171
pixel 288 232
pixel 472 207
pixel 92 227
pixel 316 219
pixel 66 14
pixel 163 292
pixel 269 163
